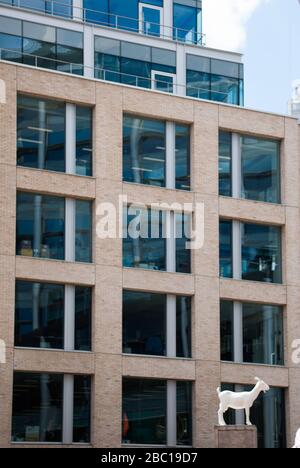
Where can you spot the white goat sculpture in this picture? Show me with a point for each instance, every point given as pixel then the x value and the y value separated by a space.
pixel 239 401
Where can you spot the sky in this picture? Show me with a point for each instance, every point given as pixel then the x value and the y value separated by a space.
pixel 267 32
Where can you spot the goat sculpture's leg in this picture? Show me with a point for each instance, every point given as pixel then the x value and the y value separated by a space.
pixel 221 412
pixel 248 422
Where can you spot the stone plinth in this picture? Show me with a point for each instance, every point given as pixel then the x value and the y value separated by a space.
pixel 244 437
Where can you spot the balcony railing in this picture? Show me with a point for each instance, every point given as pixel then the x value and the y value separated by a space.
pixel 101 74
pixel 108 20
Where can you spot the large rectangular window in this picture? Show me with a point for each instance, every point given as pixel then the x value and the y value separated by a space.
pixel 183 235
pixel 39 405
pixel 259 161
pixel 187 22
pixel 183 157
pixel 261 253
pixel 42 139
pixel 226 249
pixel 144 245
pixel 144 151
pixel 144 419
pixel 53 316
pixel 255 329
pixel 41 227
pixel 149 318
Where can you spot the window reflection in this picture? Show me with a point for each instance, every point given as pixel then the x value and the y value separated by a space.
pixel 39 318
pixel 37 407
pixel 226 249
pixel 83 235
pixel 182 157
pixel 225 164
pixel 144 412
pixel 84 141
pixel 144 323
pixel 260 170
pixel 184 413
pixel 261 253
pixel 40 226
pixel 82 409
pixel 183 236
pixel 227 331
pixel 183 327
pixel 185 21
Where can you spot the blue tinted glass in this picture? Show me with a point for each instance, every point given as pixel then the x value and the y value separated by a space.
pixel 164 83
pixel 42 54
pixel 59 8
pixel 11 47
pixel 226 249
pixel 107 67
pixel 151 21
pixel 39 5
pixel 83 319
pixel 124 15
pixel 37 407
pixel 198 84
pixel 82 409
pixel 225 89
pixel 39 316
pixel 40 226
pixel 225 164
pixel 83 241
pixel 136 72
pixel 96 11
pixel 182 153
pixel 261 253
pixel 183 254
pixel 185 23
pixel 144 323
pixel 71 58
pixel 41 134
pixel 144 244
pixel 84 141
pixel 144 152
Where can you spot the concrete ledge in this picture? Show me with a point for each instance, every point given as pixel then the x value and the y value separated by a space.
pixel 240 437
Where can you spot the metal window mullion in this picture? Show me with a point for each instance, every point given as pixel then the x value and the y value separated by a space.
pixel 70 226
pixel 170 242
pixel 171 326
pixel 236 250
pixel 68 409
pixel 70 138
pixel 238 332
pixel 171 414
pixel 69 332
pixel 236 166
pixel 170 155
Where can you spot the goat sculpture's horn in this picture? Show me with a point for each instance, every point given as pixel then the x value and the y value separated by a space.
pixel 257 379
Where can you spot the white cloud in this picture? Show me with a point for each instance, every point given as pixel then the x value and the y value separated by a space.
pixel 225 22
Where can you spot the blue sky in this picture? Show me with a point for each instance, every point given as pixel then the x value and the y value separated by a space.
pixel 268 33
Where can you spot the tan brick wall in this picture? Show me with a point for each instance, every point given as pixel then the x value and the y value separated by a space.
pixel 106 362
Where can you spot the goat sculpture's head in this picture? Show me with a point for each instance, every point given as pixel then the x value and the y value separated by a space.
pixel 262 385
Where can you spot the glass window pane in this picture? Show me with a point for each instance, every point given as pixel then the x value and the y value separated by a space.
pixel 37 407
pixel 60 8
pixel 10 25
pixel 225 89
pixel 263 334
pixel 39 32
pixel 184 413
pixel 82 409
pixel 96 11
pixel 124 15
pixel 135 72
pixel 41 134
pixel 226 249
pixel 164 83
pixel 107 67
pixel 183 157
pixel 144 243
pixel 183 327
pixel 144 412
pixel 11 47
pixel 225 164
pixel 198 85
pixel 144 151
pixel 84 141
pixel 260 170
pixel 40 226
pixel 151 21
pixel 183 235
pixel 261 253
pixel 83 240
pixel 164 57
pixel 69 38
pixel 83 319
pixel 227 331
pixel 39 316
pixel 69 59
pixel 185 23
pixel 144 323
pixel 39 53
